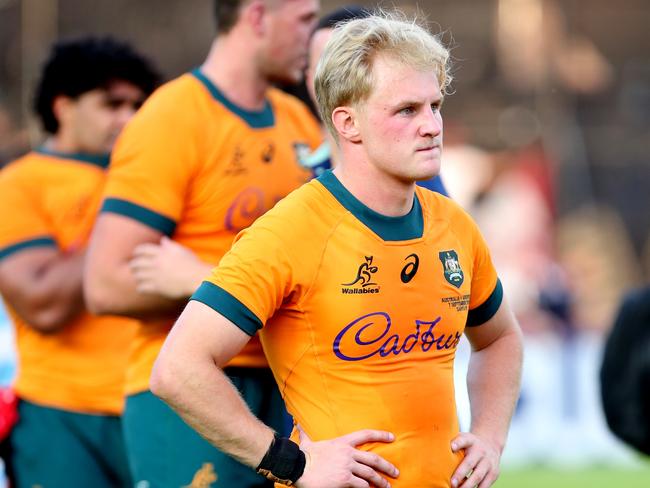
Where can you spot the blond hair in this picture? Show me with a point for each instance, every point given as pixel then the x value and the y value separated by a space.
pixel 344 75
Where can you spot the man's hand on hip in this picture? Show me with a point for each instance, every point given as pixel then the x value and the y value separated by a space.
pixel 480 467
pixel 337 463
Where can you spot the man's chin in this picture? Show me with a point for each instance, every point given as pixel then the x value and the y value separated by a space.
pixel 425 174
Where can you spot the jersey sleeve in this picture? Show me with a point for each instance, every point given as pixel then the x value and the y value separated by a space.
pixel 152 165
pixel 486 292
pixel 22 224
pixel 252 280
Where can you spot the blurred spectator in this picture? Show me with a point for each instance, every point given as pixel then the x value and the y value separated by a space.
pixel 536 49
pixel 600 263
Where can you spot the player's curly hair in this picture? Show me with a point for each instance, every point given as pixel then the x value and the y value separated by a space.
pixel 75 67
pixel 344 75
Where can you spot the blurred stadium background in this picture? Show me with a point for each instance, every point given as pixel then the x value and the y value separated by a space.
pixel 547 145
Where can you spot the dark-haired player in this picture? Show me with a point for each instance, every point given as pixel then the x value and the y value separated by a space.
pixel 70 364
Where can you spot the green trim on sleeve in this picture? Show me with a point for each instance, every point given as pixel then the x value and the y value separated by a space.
pixel 484 312
pixel 227 305
pixel 19 246
pixel 141 214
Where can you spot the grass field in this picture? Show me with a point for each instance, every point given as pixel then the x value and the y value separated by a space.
pixel 587 478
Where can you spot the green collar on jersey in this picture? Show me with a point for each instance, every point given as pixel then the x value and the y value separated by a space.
pixel 100 160
pixel 255 119
pixel 404 228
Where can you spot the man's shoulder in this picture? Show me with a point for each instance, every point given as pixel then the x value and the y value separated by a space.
pixel 178 98
pixel 27 166
pixel 309 210
pixel 440 207
pixel 435 201
pixel 175 108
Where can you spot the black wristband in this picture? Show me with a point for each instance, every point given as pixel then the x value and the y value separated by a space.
pixel 284 462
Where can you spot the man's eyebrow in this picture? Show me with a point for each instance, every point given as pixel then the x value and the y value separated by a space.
pixel 415 101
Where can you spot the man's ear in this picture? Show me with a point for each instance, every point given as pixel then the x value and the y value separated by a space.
pixel 254 14
pixel 345 122
pixel 62 107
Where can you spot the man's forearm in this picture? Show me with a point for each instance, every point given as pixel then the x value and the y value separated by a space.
pixel 113 292
pixel 493 384
pixel 109 284
pixel 206 399
pixel 44 287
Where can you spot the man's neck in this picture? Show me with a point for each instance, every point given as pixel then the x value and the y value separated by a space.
pixel 333 147
pixel 59 143
pixel 376 190
pixel 231 66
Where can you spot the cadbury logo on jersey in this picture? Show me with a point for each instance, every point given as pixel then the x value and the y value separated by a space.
pixel 370 335
pixel 363 283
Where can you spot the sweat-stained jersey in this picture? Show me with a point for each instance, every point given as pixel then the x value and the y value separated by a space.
pixel 198 168
pixel 50 199
pixel 360 316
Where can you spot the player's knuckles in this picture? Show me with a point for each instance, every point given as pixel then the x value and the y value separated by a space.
pixel 378 481
pixel 367 473
pixel 375 460
pixel 463 441
pixel 466 467
pixel 347 479
pixel 478 475
pixel 387 468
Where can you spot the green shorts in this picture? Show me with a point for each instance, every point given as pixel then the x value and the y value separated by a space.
pixel 52 448
pixel 164 452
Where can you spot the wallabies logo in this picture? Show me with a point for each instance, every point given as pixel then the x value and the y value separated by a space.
pixel 363 283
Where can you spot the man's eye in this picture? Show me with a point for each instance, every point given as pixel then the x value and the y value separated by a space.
pixel 406 110
pixel 117 103
pixel 435 107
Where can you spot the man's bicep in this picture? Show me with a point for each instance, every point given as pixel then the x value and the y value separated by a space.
pixel 201 331
pixel 115 237
pixel 500 324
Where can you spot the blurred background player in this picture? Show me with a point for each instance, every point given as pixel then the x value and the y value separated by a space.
pixel 172 270
pixel 325 156
pixel 71 364
pixel 208 154
pixel 361 284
